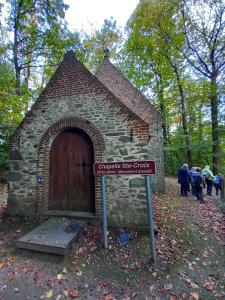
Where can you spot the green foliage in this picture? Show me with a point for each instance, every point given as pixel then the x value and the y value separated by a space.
pixel 34 38
pixel 155 57
pixel 154 60
pixel 11 110
pixel 108 37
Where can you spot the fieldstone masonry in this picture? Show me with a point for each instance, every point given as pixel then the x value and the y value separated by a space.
pixel 74 98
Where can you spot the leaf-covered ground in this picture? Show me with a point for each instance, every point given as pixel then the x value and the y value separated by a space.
pixel 190 258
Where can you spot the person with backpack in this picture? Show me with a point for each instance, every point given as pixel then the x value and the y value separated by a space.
pixel 183 179
pixel 191 172
pixel 218 182
pixel 198 183
pixel 208 175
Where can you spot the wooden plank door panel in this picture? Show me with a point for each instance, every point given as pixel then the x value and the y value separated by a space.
pixel 58 174
pixel 72 154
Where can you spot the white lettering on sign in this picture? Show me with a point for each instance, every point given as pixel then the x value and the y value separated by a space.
pixel 135 165
pixel 126 167
pixel 108 167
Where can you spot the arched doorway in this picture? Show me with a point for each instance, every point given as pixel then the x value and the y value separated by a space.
pixel 71 178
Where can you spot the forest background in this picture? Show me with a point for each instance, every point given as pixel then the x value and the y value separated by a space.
pixel 173 51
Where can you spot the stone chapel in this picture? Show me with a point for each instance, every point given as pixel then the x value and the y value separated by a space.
pixel 79 119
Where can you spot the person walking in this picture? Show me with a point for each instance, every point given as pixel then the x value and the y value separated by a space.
pixel 208 175
pixel 218 182
pixel 199 183
pixel 191 172
pixel 183 179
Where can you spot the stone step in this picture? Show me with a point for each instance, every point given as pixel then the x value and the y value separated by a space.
pixel 55 235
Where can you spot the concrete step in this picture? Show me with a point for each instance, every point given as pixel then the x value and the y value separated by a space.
pixel 55 235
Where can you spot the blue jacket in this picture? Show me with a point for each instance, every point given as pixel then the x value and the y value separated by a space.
pixel 218 180
pixel 183 175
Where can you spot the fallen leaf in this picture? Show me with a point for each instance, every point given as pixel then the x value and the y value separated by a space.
pixel 11 260
pixel 108 297
pixel 47 294
pixel 74 293
pixel 2 265
pixel 195 296
pixel 168 287
pixel 208 286
pixel 74 262
pixel 65 293
pixel 60 276
pixel 78 272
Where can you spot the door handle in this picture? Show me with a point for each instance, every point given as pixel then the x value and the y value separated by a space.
pixel 83 165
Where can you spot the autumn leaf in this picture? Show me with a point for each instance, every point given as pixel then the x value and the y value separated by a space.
pixel 2 265
pixel 60 276
pixel 74 293
pixel 48 294
pixel 108 297
pixel 11 260
pixel 195 296
pixel 168 287
pixel 78 272
pixel 74 261
pixel 208 286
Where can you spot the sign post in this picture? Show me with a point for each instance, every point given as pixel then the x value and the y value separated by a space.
pixel 104 220
pixel 150 217
pixel 146 168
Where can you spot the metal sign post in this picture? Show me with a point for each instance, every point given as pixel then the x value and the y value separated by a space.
pixel 146 168
pixel 104 219
pixel 150 217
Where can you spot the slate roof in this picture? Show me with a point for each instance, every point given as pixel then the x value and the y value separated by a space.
pixel 113 79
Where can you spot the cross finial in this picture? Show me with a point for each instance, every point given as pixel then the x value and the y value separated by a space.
pixel 69 54
pixel 106 53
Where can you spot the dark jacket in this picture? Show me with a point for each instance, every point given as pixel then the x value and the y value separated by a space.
pixel 183 175
pixel 198 180
pixel 218 181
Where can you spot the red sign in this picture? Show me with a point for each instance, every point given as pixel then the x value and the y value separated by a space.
pixel 145 167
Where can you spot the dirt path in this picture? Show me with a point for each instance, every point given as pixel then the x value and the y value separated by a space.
pixel 190 259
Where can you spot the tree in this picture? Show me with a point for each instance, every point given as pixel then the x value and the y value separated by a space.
pixel 39 30
pixel 204 31
pixel 108 37
pixel 154 35
pixel 11 110
pixel 33 39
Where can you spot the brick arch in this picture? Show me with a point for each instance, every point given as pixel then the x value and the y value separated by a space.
pixel 43 157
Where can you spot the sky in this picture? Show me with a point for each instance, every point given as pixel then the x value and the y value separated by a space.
pixel 86 14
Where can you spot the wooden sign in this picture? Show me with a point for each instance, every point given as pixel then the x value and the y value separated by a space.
pixel 146 167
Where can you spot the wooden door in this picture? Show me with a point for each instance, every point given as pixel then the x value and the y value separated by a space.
pixel 71 172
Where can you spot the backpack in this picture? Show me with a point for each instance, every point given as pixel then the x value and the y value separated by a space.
pixel 197 179
pixel 205 173
pixel 217 180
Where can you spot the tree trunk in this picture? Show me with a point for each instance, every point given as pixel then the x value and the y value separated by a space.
pixel 183 116
pixel 200 130
pixel 162 109
pixel 214 120
pixel 26 80
pixel 15 58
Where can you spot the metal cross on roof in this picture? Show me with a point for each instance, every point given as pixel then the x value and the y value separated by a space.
pixel 106 52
